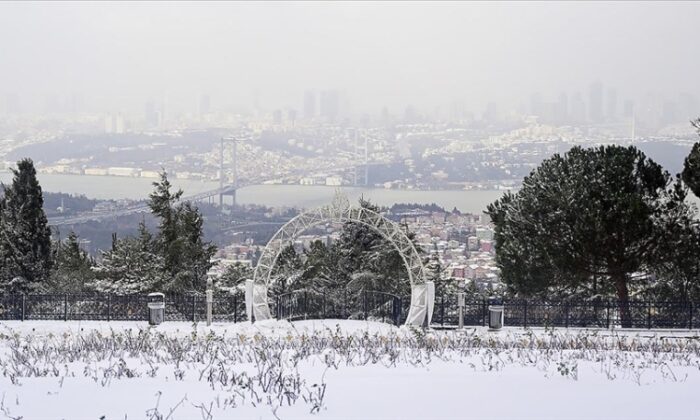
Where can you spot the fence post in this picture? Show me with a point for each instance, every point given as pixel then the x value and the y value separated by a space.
pixel 194 308
pixel 690 315
pixel 235 308
pixel 24 305
pixel 345 303
pixel 648 315
pixel 566 314
pixel 109 307
pixel 525 313
pixel 397 310
pixel 65 307
pixel 442 310
pixel 483 312
pixel 607 313
pixel 324 304
pixel 364 303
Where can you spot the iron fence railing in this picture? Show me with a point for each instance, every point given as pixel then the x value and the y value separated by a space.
pixel 599 313
pixel 366 305
pixel 107 307
pixel 340 304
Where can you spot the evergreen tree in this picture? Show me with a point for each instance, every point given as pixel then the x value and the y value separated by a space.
pixel 234 275
pixel 584 222
pixel 163 204
pixel 368 261
pixel 25 237
pixel 288 272
pixel 691 166
pixel 186 256
pixel 72 268
pixel 320 267
pixel 195 254
pixel 131 266
pixel 677 275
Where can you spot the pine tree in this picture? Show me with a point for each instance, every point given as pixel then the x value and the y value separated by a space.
pixel 163 204
pixel 584 222
pixel 72 268
pixel 25 237
pixel 234 275
pixel 180 244
pixel 195 254
pixel 131 266
pixel 288 272
pixel 367 261
pixel 691 165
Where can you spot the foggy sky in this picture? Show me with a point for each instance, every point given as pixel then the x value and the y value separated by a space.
pixel 118 55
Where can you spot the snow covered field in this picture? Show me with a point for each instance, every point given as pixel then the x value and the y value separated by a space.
pixel 341 370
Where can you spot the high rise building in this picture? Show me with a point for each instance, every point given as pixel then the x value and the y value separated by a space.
pixel 292 116
pixel 114 124
pixel 595 102
pixel 578 109
pixel 277 116
pixel 611 105
pixel 309 109
pixel 151 115
pixel 561 113
pixel 628 109
pixel 330 104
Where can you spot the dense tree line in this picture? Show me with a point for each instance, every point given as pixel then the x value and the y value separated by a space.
pixel 601 222
pixel 174 259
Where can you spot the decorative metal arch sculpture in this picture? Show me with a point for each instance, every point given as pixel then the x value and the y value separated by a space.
pixel 422 291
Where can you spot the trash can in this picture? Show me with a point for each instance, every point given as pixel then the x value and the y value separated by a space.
pixel 495 314
pixel 156 308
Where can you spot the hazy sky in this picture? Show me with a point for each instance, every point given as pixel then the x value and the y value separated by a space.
pixel 117 55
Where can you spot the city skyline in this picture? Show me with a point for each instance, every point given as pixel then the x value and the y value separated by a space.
pixel 377 55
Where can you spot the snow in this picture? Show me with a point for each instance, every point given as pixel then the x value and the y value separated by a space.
pixel 370 371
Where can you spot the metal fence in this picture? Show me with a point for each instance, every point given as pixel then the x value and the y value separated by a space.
pixel 104 307
pixel 594 314
pixel 366 305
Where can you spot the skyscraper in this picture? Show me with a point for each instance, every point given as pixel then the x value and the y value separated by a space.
pixel 611 105
pixel 595 102
pixel 151 115
pixel 562 109
pixel 330 104
pixel 628 109
pixel 309 109
pixel 578 109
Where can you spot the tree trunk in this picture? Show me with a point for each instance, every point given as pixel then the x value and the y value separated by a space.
pixel 623 300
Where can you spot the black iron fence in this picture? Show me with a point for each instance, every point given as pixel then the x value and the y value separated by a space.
pixel 594 314
pixel 365 305
pixel 104 307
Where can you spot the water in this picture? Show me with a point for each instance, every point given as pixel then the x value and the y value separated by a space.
pixel 104 187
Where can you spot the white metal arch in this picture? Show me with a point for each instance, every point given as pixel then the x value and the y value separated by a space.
pixel 340 211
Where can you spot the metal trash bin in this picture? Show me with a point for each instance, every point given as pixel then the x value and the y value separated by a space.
pixel 156 308
pixel 495 314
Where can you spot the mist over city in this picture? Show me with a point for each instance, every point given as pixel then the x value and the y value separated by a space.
pixel 208 207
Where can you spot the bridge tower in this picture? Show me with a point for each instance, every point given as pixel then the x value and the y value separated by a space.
pixel 224 188
pixel 361 170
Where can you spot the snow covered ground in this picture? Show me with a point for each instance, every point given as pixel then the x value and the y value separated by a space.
pixel 341 370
